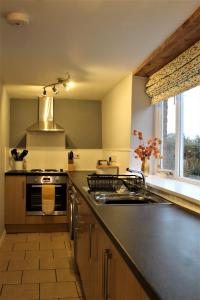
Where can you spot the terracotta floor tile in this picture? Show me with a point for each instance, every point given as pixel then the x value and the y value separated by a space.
pixel 38 276
pixel 10 277
pixel 37 237
pixel 46 235
pixel 78 289
pixel 39 254
pixel 7 246
pixel 58 290
pixel 12 254
pixel 67 244
pixel 26 246
pixel 62 253
pixel 65 275
pixel 23 264
pixel 33 237
pixel 69 299
pixel 19 237
pixel 52 245
pixel 55 263
pixel 58 238
pixel 65 234
pixel 21 291
pixel 3 264
pixel 10 236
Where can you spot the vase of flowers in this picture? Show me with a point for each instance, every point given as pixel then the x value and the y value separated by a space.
pixel 144 152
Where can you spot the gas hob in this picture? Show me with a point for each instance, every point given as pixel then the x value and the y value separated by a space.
pixel 46 170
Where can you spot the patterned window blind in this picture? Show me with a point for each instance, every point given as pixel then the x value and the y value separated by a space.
pixel 179 75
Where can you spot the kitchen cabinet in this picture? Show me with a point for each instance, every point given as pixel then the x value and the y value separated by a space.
pixel 86 247
pixel 15 193
pixel 104 273
pixel 118 281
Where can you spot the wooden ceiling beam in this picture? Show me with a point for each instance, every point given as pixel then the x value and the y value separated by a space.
pixel 183 38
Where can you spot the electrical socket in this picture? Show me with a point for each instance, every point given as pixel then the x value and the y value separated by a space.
pixel 76 156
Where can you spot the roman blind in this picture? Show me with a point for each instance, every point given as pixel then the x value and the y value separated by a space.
pixel 179 75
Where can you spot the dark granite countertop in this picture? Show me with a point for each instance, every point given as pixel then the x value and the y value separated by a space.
pixel 28 172
pixel 160 243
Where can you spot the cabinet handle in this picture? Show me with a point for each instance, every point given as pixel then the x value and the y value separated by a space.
pixel 91 226
pixel 77 200
pixel 107 256
pixel 79 226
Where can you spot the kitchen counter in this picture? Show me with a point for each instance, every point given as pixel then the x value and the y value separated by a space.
pixel 28 172
pixel 160 243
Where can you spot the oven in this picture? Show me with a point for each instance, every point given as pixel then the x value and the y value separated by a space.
pixel 34 185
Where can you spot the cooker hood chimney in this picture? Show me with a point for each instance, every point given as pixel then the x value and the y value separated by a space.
pixel 45 117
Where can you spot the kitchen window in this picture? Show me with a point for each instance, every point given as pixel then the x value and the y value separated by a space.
pixel 178 120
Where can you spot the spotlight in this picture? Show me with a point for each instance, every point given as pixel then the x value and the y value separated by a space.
pixel 54 89
pixel 68 85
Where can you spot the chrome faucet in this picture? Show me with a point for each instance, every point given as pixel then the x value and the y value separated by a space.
pixel 139 172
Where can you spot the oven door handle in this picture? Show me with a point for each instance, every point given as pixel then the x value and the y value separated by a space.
pixel 40 185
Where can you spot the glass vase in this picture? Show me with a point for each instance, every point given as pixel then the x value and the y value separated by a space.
pixel 145 166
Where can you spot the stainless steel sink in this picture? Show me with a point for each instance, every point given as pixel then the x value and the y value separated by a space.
pixel 127 198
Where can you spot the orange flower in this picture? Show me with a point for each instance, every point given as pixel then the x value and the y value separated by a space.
pixel 152 147
pixel 140 135
pixel 134 132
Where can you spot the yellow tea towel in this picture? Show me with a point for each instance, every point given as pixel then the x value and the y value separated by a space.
pixel 48 199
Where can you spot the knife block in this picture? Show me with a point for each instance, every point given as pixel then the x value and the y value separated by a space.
pixel 70 165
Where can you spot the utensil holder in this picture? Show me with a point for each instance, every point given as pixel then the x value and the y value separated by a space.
pixel 19 165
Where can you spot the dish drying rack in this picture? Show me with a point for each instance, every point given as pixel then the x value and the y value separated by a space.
pixel 112 183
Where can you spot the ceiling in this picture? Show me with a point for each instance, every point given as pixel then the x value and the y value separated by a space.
pixel 97 41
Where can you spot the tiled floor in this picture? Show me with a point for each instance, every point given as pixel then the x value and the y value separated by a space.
pixel 37 266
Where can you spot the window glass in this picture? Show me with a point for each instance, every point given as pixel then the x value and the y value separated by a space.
pixel 168 134
pixel 191 133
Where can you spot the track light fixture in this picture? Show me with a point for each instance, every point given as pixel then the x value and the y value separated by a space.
pixel 54 89
pixel 65 82
pixel 44 92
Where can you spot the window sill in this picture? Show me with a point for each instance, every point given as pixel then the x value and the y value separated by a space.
pixel 182 193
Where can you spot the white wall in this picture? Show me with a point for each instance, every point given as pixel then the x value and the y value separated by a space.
pixel 57 158
pixel 116 115
pixel 124 108
pixel 4 142
pixel 142 116
pixel 116 122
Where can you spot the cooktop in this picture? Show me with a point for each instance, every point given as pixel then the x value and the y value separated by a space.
pixel 46 170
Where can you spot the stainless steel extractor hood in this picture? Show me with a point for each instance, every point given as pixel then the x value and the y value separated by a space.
pixel 45 117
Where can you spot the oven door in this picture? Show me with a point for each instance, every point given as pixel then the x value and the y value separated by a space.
pixel 34 199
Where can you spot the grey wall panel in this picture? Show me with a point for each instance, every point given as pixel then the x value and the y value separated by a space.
pixel 81 120
pixel 23 113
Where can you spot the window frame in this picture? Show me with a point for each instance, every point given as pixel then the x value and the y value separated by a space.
pixel 176 174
